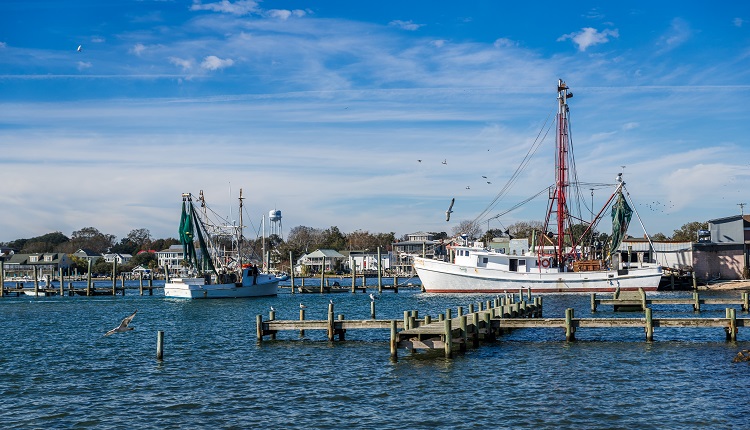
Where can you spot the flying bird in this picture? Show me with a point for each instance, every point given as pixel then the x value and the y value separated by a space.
pixel 445 161
pixel 419 161
pixel 450 210
pixel 80 48
pixel 484 177
pixel 489 182
pixel 468 187
pixel 123 327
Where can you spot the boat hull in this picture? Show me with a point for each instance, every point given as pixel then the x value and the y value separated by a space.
pixel 444 277
pixel 196 288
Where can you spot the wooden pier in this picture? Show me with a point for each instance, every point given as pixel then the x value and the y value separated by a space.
pixel 487 322
pixel 637 301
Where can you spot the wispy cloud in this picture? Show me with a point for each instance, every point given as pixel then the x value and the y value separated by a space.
pixel 284 14
pixel 138 48
pixel 185 64
pixel 678 33
pixel 405 25
pixel 505 43
pixel 589 36
pixel 240 7
pixel 738 22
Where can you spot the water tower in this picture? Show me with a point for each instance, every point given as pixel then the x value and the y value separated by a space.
pixel 275 217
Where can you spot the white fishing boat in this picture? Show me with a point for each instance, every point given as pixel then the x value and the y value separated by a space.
pixel 555 261
pixel 216 267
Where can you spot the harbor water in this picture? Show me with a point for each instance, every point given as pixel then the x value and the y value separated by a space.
pixel 59 371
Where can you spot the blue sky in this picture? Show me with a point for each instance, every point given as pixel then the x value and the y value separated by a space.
pixel 323 109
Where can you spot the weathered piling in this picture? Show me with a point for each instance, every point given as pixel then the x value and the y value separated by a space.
pixel 569 329
pixel 88 279
pixel 448 338
pixel 372 309
pixel 649 326
pixel 2 278
pixel 160 345
pixel 380 275
pixel 394 341
pixel 301 318
pixel 291 271
pixel 330 322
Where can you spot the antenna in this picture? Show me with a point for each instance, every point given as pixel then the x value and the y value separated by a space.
pixel 742 208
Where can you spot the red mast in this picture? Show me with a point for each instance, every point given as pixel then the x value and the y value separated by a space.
pixel 561 167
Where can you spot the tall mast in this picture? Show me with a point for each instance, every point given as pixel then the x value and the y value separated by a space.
pixel 239 237
pixel 561 166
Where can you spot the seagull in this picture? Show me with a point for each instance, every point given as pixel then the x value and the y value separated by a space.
pixel 484 177
pixel 272 309
pixel 330 301
pixel 123 327
pixel 489 182
pixel 419 161
pixel 445 161
pixel 301 306
pixel 468 188
pixel 372 297
pixel 450 210
pixel 80 48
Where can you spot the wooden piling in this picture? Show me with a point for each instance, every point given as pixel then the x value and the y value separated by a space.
pixel 259 328
pixel 696 302
pixel 2 278
pixel 394 341
pixel 354 277
pixel 114 277
pixel 569 329
pixel 62 281
pixel 380 274
pixel 448 337
pixel 323 277
pixel 731 329
pixel 464 333
pixel 140 283
pixel 88 279
pixel 301 318
pixel 643 297
pixel 36 283
pixel 695 281
pixel 291 271
pixel 372 309
pixel 342 331
pixel 406 320
pixel 160 345
pixel 649 326
pixel 330 322
pixel 746 301
pixel 593 302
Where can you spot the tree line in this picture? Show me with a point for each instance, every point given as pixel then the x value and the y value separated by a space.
pixel 301 240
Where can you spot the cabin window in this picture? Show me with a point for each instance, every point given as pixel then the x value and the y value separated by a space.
pixel 484 260
pixel 521 262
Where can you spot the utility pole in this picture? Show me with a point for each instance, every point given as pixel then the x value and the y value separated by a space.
pixel 742 208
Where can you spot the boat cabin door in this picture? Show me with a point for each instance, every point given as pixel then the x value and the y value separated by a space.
pixel 513 264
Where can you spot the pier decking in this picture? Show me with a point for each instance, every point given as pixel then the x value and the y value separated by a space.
pixel 489 322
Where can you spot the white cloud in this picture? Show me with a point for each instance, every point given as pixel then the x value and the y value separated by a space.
pixel 138 48
pixel 213 62
pixel 180 62
pixel 284 14
pixel 3 45
pixel 630 126
pixel 589 37
pixel 405 25
pixel 505 43
pixel 83 65
pixel 439 43
pixel 738 22
pixel 241 7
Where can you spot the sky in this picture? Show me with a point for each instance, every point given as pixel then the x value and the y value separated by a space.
pixel 366 116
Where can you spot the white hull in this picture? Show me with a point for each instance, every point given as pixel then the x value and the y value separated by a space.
pixel 196 288
pixel 444 277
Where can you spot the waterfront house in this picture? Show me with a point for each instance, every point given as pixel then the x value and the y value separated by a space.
pixel 314 261
pixel 171 258
pixel 419 243
pixel 87 254
pixel 20 265
pixel 119 258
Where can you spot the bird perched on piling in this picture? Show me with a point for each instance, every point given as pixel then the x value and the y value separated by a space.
pixel 450 210
pixel 372 297
pixel 272 309
pixel 123 327
pixel 301 306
